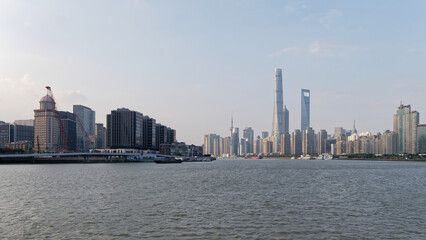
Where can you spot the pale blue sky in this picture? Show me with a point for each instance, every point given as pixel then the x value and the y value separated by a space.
pixel 189 64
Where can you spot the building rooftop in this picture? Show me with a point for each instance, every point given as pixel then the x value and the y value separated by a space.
pixel 47 98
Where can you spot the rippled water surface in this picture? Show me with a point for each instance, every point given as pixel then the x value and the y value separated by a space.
pixel 225 199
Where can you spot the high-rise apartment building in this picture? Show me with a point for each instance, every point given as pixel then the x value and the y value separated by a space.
pixel 69 126
pixel 305 109
pixel 308 141
pixel 405 124
pixel 277 122
pixel 389 142
pixel 211 144
pixel 125 129
pixel 296 142
pixel 226 146
pixel 46 126
pixel 248 134
pixel 86 117
pixel 286 120
pixel 322 141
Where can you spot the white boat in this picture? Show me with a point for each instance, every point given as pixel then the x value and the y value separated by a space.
pixel 307 157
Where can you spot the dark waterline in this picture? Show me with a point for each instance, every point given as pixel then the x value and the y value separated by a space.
pixel 246 199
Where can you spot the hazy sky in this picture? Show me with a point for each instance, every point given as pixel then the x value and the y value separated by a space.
pixel 189 64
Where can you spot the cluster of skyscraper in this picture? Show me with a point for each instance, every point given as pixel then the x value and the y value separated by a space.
pixel 53 131
pixel 408 136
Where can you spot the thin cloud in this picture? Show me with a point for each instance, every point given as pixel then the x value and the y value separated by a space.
pixel 332 50
pixel 329 16
pixel 295 7
pixel 283 51
pixel 325 18
pixel 321 49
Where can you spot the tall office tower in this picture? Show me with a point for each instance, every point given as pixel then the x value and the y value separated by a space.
pixel 296 142
pixel 149 139
pixel 100 136
pixel 243 146
pixel 221 145
pixel 308 141
pixel 265 134
pixel 322 141
pixel 86 116
pixel 29 122
pixel 160 135
pixel 235 141
pixel 256 145
pixel 248 133
pixel 69 126
pixel 277 122
pixel 125 129
pixel 306 109
pixel 339 131
pixel 286 120
pixel 46 126
pixel 171 135
pixel 421 138
pixel 285 143
pixel 405 124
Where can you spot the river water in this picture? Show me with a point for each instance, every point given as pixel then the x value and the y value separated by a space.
pixel 225 199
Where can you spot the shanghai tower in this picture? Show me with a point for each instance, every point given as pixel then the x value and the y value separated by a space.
pixel 277 122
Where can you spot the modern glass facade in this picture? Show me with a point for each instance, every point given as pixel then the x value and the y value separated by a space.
pixel 306 109
pixel 69 126
pixel 421 138
pixel 405 124
pixel 125 129
pixel 248 134
pixel 278 116
pixel 86 116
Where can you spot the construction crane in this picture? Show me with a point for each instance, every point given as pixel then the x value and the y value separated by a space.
pixel 92 145
pixel 61 128
pixel 80 125
pixel 38 145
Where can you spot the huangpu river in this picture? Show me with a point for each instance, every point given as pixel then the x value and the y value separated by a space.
pixel 224 199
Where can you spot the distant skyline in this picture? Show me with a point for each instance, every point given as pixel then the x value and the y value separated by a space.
pixel 189 64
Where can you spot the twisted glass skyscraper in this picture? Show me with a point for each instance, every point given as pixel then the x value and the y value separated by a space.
pixel 277 122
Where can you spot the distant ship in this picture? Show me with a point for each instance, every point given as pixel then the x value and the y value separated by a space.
pixel 167 160
pixel 258 157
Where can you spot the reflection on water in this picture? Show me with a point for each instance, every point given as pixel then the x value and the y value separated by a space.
pixel 225 199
